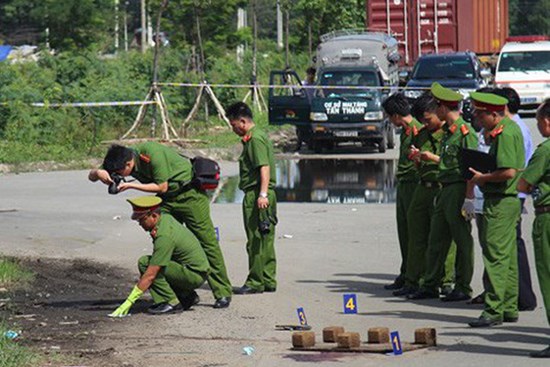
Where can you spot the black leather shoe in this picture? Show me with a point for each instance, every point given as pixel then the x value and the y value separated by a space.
pixel 404 292
pixel 545 353
pixel 247 290
pixel 189 300
pixel 484 322
pixel 510 318
pixel 423 294
pixel 478 300
pixel 164 308
pixel 222 302
pixel 446 290
pixel 456 296
pixel 270 289
pixel 398 284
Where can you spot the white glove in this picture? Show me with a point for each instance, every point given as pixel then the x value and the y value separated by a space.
pixel 468 209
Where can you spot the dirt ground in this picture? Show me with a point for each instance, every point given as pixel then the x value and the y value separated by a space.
pixel 64 308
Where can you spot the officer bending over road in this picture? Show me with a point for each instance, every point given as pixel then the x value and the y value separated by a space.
pixel 257 180
pixel 161 170
pixel 177 266
pixel 536 180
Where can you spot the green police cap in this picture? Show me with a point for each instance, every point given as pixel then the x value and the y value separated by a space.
pixel 445 95
pixel 488 101
pixel 143 205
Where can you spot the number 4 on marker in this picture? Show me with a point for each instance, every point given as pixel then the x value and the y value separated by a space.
pixel 350 303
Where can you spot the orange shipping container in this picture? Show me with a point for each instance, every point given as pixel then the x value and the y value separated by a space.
pixel 435 26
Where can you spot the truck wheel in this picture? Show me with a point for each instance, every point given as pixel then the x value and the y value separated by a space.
pixel 382 146
pixel 390 138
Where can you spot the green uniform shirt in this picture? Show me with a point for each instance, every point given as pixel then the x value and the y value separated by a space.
pixel 174 242
pixel 430 142
pixel 507 147
pixel 459 135
pixel 257 152
pixel 406 171
pixel 537 173
pixel 157 163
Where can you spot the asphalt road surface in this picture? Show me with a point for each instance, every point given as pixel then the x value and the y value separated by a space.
pixel 324 251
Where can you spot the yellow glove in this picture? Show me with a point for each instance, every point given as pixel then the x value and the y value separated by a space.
pixel 123 309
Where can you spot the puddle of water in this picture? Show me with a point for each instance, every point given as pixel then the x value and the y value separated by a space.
pixel 332 181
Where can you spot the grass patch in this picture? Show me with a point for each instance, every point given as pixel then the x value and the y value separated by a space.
pixel 12 273
pixel 14 355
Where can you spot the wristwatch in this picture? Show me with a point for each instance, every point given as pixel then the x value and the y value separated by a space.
pixel 263 195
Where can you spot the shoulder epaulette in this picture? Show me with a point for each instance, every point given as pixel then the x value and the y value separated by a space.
pixel 452 129
pixel 416 131
pixel 247 138
pixel 496 131
pixel 464 129
pixel 408 131
pixel 145 158
pixel 154 233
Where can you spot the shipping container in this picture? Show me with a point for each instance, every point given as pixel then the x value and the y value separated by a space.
pixel 437 26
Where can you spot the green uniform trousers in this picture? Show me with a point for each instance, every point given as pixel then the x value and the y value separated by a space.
pixel 418 219
pixel 541 243
pixel 192 207
pixel 262 265
pixel 172 282
pixel 404 195
pixel 500 216
pixel 447 225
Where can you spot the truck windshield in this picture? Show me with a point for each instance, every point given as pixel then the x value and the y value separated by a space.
pixel 524 61
pixel 338 80
pixel 443 68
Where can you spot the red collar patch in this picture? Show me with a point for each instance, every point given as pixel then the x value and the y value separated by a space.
pixel 408 131
pixel 496 131
pixel 247 138
pixel 154 233
pixel 464 129
pixel 453 128
pixel 145 158
pixel 415 131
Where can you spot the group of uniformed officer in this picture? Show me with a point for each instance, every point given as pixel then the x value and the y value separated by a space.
pixel 184 256
pixel 435 201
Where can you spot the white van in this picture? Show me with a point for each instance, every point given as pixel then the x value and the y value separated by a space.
pixel 524 65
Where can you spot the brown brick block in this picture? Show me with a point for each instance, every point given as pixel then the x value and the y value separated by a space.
pixel 330 333
pixel 425 336
pixel 348 340
pixel 379 335
pixel 303 339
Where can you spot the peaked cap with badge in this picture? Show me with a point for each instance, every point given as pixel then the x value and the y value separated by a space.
pixel 445 96
pixel 143 205
pixel 488 101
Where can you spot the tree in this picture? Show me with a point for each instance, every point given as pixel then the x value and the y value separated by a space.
pixel 529 17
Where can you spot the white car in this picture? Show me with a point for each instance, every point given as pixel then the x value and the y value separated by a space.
pixel 524 65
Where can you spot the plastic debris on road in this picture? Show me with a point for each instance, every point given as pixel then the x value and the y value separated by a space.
pixel 10 334
pixel 248 350
pixel 288 236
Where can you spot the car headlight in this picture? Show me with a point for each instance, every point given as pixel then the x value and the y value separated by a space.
pixel 374 116
pixel 412 93
pixel 318 116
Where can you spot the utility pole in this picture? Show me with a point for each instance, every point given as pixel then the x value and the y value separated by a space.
pixel 279 26
pixel 116 26
pixel 241 23
pixel 143 39
pixel 126 26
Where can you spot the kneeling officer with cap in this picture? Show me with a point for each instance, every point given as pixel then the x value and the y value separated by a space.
pixel 177 266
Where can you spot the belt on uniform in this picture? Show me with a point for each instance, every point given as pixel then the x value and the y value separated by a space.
pixel 445 184
pixel 430 184
pixel 542 209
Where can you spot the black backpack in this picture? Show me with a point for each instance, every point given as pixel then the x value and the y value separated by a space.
pixel 206 173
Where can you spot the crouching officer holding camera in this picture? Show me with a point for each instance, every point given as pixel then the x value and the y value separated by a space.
pixel 161 170
pixel 177 266
pixel 257 180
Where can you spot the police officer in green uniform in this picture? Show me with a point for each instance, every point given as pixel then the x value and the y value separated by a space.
pixel 161 170
pixel 177 266
pixel 448 223
pixel 536 180
pixel 398 110
pixel 426 139
pixel 257 180
pixel 501 209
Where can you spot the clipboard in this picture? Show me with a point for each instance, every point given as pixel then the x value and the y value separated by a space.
pixel 480 161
